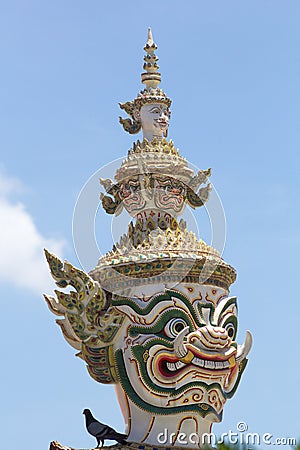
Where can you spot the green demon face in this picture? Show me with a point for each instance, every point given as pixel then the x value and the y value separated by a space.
pixel 176 351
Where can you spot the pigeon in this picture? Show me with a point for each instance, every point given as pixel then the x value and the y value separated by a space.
pixel 101 431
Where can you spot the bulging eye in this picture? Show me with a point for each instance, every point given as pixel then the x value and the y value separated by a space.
pixel 229 322
pixel 230 328
pixel 174 326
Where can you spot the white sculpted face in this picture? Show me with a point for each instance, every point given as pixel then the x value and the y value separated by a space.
pixel 178 352
pixel 155 120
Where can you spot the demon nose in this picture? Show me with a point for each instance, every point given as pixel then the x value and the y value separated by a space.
pixel 210 338
pixel 207 339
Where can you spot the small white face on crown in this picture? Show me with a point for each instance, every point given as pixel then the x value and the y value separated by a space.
pixel 154 118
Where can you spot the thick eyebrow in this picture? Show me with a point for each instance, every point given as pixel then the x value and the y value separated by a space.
pixel 155 107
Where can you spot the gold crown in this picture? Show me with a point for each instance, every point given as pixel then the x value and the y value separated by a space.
pixel 172 254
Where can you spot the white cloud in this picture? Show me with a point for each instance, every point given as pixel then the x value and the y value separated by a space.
pixel 22 260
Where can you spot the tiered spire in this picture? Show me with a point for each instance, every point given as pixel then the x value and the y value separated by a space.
pixel 151 78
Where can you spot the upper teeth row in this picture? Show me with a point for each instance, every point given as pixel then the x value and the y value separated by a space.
pixel 210 364
pixel 199 362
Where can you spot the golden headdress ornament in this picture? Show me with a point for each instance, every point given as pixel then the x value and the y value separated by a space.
pixel 151 94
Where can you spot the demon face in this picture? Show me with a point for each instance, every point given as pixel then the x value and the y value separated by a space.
pixel 177 350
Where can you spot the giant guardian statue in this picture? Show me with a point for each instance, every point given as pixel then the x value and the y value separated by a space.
pixel 155 317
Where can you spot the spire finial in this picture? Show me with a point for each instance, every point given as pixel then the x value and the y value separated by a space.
pixel 151 78
pixel 150 37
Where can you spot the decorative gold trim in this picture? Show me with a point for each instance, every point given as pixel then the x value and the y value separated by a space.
pixel 132 274
pixel 188 358
pixel 232 362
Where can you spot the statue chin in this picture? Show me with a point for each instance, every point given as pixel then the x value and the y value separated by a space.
pixel 154 133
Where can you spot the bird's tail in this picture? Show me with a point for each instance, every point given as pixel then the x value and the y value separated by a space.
pixel 121 438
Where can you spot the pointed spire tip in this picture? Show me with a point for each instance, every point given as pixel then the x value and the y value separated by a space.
pixel 150 37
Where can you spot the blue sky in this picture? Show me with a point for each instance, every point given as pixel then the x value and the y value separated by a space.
pixel 232 70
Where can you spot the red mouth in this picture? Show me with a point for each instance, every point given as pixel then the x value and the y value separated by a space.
pixel 164 366
pixel 170 366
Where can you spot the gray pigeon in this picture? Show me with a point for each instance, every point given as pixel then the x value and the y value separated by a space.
pixel 102 431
